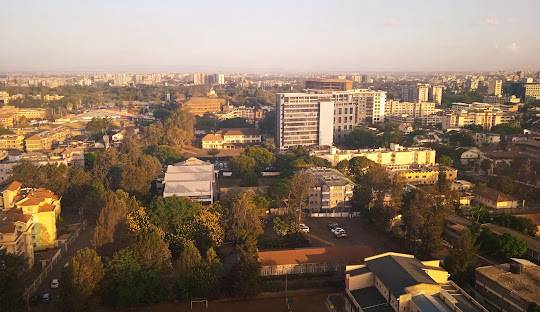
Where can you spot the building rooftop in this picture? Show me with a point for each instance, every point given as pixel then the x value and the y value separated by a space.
pixel 333 254
pixel 14 186
pixel 328 176
pixel 525 285
pixel 240 131
pixel 371 300
pixel 494 195
pixel 399 272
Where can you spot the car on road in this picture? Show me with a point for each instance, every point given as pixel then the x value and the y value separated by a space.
pixel 55 283
pixel 46 297
pixel 342 235
pixel 337 230
pixel 303 228
pixel 332 225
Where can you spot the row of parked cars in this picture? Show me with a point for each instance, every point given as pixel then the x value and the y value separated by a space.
pixel 337 230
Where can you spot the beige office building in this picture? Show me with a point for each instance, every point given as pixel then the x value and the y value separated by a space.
pixel 486 118
pixel 495 87
pixel 411 109
pixel 394 157
pixel 332 191
pixel 436 94
pixel 11 141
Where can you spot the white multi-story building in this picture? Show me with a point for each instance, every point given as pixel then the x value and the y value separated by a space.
pixel 304 119
pixel 320 118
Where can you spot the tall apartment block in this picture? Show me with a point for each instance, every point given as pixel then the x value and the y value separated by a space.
pixel 303 119
pixel 216 79
pixel 320 118
pixel 435 94
pixel 494 87
pixel 199 78
pixel 415 93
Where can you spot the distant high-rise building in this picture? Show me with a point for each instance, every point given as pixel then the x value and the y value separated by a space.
pixel 121 79
pixel 329 84
pixel 423 92
pixel 199 78
pixel 216 79
pixel 494 87
pixel 522 90
pixel 473 83
pixel 415 93
pixel 436 93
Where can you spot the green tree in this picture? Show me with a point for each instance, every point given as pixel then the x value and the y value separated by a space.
pixel 446 160
pixel 301 185
pixel 151 250
pixel 243 165
pixel 423 216
pixel 460 260
pixel 127 282
pixel 361 138
pixel 81 281
pixel 510 246
pixel 243 281
pixel 189 259
pixel 263 157
pixel 242 221
pixel 281 227
pixel 13 272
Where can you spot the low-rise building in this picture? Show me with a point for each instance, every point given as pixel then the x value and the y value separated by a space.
pixel 16 235
pixel 422 175
pixel 199 106
pixel 486 117
pixel 511 287
pixel 44 140
pixel 192 178
pixel 396 155
pixel 486 138
pixel 11 141
pixel 332 192
pixel 494 199
pixel 311 260
pixel 231 139
pixel 399 282
pixel 411 109
pixel 41 204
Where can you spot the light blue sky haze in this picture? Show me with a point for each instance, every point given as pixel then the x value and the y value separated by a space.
pixel 331 35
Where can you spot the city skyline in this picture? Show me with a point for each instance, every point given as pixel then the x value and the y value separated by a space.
pixel 314 36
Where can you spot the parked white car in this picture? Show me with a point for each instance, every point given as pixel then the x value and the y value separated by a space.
pixel 303 228
pixel 55 283
pixel 337 230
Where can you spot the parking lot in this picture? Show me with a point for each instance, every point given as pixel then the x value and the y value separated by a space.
pixel 359 232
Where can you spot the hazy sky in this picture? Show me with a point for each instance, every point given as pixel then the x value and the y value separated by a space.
pixel 330 35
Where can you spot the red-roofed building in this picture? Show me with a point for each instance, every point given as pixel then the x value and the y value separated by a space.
pixel 311 260
pixel 42 206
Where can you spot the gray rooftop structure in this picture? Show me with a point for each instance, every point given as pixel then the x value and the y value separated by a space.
pixel 192 178
pixel 398 273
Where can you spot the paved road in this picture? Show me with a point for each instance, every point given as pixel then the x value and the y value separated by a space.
pixel 80 242
pixel 360 233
